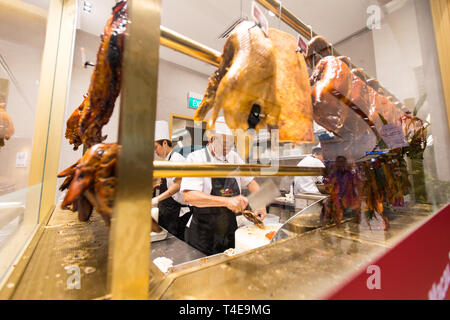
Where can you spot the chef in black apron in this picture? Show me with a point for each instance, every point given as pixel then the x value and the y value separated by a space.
pixel 173 212
pixel 216 201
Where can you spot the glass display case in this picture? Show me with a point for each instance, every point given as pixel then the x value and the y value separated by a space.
pixel 340 121
pixel 27 82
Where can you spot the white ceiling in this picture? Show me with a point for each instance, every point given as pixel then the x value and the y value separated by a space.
pixel 44 4
pixel 205 20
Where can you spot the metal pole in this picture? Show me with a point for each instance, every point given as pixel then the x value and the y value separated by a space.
pixel 164 169
pixel 129 262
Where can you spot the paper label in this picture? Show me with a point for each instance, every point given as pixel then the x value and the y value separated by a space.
pixel 301 44
pixel 393 136
pixel 21 159
pixel 260 18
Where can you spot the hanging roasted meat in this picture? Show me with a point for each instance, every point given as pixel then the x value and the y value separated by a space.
pixel 330 80
pixel 91 183
pixel 262 81
pixel 343 185
pixel 73 125
pixel 293 90
pixel 244 82
pixel 317 49
pixel 92 179
pixel 6 125
pixel 86 123
pixel 332 84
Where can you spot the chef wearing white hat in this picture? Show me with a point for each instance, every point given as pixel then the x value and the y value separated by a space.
pixel 216 201
pixel 173 212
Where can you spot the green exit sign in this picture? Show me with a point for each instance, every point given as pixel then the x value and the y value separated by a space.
pixel 194 100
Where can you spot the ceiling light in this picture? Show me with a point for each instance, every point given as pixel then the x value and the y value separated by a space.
pixel 271 13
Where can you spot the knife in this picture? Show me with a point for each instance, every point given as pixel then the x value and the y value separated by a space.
pixel 264 196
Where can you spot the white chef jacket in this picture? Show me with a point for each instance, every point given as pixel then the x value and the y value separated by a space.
pixel 178 197
pixel 205 184
pixel 308 184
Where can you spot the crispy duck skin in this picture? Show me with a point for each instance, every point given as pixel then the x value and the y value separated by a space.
pixel 85 182
pixel 6 125
pixel 262 81
pixel 96 109
pixel 91 183
pixel 295 122
pixel 73 126
pixel 244 81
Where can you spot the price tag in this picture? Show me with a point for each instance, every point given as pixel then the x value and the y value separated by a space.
pixel 393 136
pixel 21 159
pixel 260 19
pixel 301 44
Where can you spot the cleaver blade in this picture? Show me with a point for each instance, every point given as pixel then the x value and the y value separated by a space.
pixel 264 196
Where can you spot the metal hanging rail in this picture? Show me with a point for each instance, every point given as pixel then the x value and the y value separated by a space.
pixel 180 43
pixel 292 21
pixel 164 169
pixel 288 17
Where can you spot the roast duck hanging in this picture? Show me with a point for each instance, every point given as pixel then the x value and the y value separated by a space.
pixel 91 183
pixel 262 82
pixel 85 124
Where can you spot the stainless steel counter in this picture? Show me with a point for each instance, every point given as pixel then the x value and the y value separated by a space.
pixel 175 249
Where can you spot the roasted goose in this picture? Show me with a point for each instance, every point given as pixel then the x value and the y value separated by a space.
pixel 86 123
pixel 6 125
pixel 262 81
pixel 244 82
pixel 293 90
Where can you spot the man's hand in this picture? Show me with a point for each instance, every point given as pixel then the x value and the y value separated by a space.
pixel 155 202
pixel 260 214
pixel 237 204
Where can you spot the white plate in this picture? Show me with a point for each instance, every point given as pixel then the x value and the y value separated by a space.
pixel 159 236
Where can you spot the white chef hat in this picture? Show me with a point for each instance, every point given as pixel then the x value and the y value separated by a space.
pixel 222 128
pixel 162 131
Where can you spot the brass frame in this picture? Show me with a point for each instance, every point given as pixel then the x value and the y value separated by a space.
pixel 164 169
pixel 440 10
pixel 49 123
pixel 129 250
pixel 180 43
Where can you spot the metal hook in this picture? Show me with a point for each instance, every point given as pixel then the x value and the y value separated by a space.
pixel 279 16
pixel 314 52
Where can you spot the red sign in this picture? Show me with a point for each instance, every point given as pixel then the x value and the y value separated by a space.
pixel 418 268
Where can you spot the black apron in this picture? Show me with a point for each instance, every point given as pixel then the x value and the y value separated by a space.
pixel 212 229
pixel 169 213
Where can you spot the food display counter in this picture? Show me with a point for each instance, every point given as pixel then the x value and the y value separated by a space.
pixel 85 225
